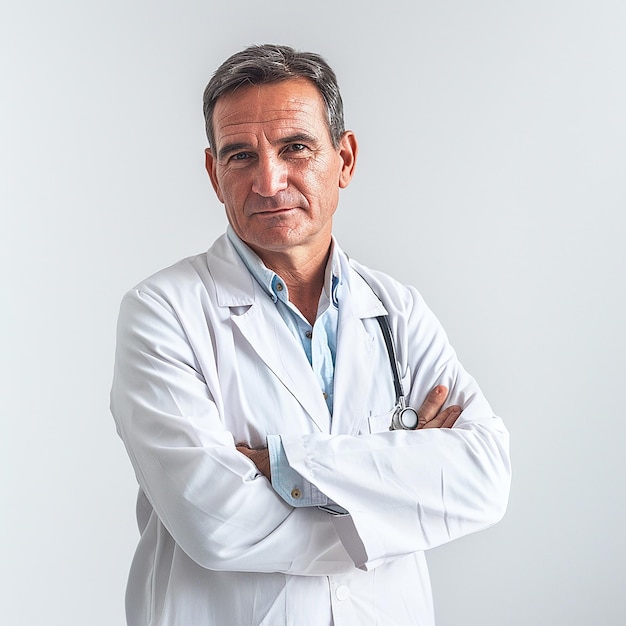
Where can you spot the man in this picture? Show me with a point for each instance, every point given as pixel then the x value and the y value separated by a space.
pixel 254 390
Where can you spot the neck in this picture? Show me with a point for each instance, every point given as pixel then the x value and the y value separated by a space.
pixel 303 275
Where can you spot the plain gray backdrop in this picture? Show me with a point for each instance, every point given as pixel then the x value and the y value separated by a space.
pixel 491 175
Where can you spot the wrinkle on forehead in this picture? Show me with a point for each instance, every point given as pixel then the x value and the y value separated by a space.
pixel 289 104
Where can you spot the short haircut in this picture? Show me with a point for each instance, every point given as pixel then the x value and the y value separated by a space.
pixel 268 63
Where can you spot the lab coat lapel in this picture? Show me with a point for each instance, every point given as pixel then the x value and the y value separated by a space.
pixel 355 354
pixel 260 324
pixel 269 337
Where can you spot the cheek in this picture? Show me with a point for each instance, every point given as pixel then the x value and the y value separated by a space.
pixel 231 189
pixel 325 190
pixel 322 178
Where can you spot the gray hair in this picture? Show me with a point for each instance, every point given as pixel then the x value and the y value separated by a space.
pixel 261 65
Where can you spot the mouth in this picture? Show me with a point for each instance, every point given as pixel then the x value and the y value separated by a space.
pixel 278 211
pixel 275 206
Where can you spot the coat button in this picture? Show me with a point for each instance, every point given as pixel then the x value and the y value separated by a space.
pixel 296 494
pixel 342 593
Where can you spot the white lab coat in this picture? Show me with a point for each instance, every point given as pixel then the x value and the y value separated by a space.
pixel 204 361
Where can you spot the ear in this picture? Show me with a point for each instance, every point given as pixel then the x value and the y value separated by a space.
pixel 348 149
pixel 211 164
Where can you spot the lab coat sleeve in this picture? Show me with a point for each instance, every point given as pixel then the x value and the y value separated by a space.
pixel 413 490
pixel 210 498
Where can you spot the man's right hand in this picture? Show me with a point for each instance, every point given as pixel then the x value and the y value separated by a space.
pixel 430 414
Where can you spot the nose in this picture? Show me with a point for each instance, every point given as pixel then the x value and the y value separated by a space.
pixel 270 176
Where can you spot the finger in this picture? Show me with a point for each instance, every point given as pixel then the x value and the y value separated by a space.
pixel 452 414
pixel 452 418
pixel 445 419
pixel 244 449
pixel 432 405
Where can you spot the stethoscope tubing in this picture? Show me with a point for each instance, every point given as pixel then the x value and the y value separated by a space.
pixel 391 351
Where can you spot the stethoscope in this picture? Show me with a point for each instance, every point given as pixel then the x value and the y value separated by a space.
pixel 404 417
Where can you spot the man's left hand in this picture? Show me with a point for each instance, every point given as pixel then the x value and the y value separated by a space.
pixel 259 456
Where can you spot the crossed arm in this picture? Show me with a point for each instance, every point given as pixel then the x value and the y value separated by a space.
pixel 430 416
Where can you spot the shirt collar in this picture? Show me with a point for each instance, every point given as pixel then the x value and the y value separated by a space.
pixel 273 284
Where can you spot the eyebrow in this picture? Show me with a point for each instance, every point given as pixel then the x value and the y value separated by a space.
pixel 229 148
pixel 304 137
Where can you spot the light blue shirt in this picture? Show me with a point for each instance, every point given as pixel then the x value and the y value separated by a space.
pixel 319 343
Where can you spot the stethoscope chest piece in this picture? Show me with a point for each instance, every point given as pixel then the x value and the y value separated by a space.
pixel 404 418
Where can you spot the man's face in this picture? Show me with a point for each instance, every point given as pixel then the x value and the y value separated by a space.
pixel 275 168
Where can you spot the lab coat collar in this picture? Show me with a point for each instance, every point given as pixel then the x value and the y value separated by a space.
pixel 364 300
pixel 234 285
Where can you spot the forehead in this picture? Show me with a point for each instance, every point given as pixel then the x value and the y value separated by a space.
pixel 286 106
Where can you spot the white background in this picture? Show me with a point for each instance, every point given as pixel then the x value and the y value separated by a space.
pixel 491 176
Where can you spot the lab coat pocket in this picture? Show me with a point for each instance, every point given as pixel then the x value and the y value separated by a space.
pixel 379 423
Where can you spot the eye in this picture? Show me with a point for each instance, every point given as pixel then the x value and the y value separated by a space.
pixel 239 156
pixel 295 149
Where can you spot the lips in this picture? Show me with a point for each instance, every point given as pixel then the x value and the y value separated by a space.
pixel 275 211
pixel 258 205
